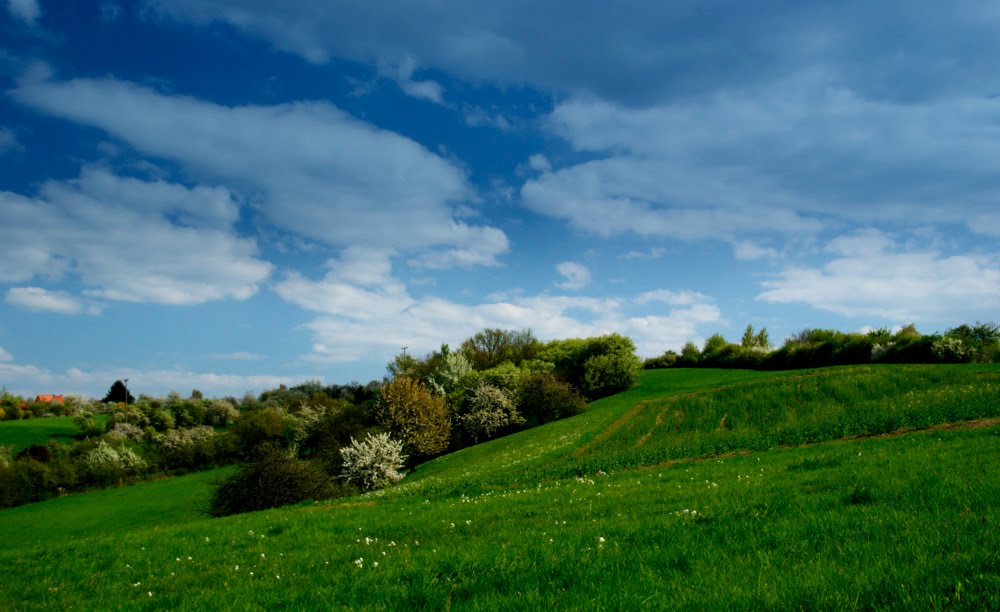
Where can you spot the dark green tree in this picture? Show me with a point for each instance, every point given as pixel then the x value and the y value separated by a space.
pixel 119 393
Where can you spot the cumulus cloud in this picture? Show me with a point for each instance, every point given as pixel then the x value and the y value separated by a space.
pixel 60 302
pixel 575 275
pixel 8 141
pixel 869 276
pixel 310 168
pixel 5 356
pixel 27 11
pixel 128 240
pixel 371 317
pixel 784 159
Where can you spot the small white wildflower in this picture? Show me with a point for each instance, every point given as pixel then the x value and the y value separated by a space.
pixel 261 555
pixel 601 539
pixel 150 593
pixel 237 568
pixel 375 563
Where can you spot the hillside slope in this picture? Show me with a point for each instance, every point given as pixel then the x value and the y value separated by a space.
pixel 628 506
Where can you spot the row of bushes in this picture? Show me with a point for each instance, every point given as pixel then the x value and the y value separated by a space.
pixel 814 348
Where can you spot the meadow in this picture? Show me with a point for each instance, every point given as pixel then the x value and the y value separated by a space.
pixel 840 488
pixel 23 433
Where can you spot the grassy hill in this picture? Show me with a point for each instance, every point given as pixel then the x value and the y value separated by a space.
pixel 696 489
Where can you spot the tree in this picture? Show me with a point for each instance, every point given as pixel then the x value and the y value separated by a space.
pixel 490 411
pixel 545 398
pixel 491 347
pixel 373 462
pixel 749 339
pixel 414 415
pixel 119 393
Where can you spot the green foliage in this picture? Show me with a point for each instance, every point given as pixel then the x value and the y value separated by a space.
pixel 262 426
pixel 806 526
pixel 545 398
pixel 610 373
pixel 491 347
pixel 414 415
pixel 274 477
pixel 118 393
pixel 490 411
pixel 666 360
pixel 617 363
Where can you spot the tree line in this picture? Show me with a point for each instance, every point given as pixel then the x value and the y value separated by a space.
pixel 816 348
pixel 313 440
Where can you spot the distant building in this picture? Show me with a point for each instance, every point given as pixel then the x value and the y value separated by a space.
pixel 49 399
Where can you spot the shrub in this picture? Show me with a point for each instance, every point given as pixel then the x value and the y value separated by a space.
pixel 85 422
pixel 951 350
pixel 414 415
pixel 188 448
pixel 545 398
pixel 126 431
pixel 274 477
pixel 221 413
pixel 373 462
pixel 610 373
pixel 105 464
pixel 262 426
pixel 490 411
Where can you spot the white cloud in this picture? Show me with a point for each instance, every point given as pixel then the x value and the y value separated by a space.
pixel 128 240
pixel 371 321
pixel 32 379
pixel 539 162
pixel 638 51
pixel 9 141
pixel 673 298
pixel 237 356
pixel 476 116
pixel 309 167
pixel 575 275
pixel 60 302
pixel 652 253
pixel 402 72
pixel 27 11
pixel 5 356
pixel 870 278
pixel 785 159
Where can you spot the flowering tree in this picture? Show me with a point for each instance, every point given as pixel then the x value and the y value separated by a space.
pixel 490 410
pixel 373 462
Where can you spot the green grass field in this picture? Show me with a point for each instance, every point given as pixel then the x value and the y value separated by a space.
pixel 628 506
pixel 23 433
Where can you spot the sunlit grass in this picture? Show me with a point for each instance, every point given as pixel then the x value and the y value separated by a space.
pixel 564 517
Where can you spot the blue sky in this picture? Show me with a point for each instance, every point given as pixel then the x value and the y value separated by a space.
pixel 232 194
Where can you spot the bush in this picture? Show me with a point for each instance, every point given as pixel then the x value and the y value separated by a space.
pixel 188 448
pixel 610 373
pixel 275 477
pixel 262 426
pixel 105 464
pixel 490 411
pixel 545 398
pixel 414 415
pixel 374 462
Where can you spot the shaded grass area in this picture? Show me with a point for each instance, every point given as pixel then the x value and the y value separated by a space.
pixel 902 522
pixel 23 433
pixel 147 506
